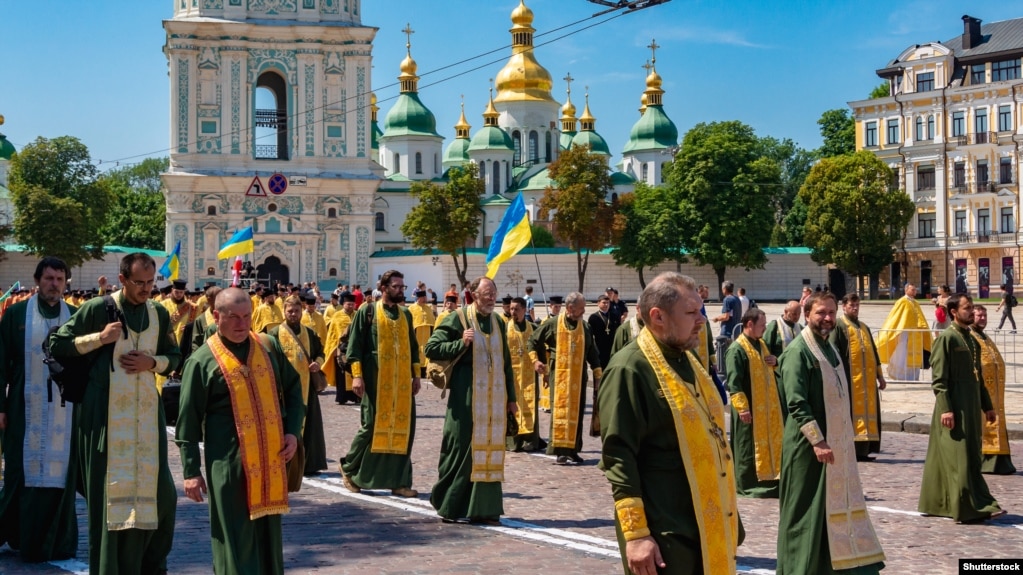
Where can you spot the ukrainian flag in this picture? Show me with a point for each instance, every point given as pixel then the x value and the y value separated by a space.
pixel 512 235
pixel 239 244
pixel 7 294
pixel 171 266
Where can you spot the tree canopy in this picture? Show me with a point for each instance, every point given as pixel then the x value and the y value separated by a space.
pixel 447 218
pixel 577 206
pixel 838 128
pixel 882 90
pixel 60 205
pixel 138 219
pixel 853 215
pixel 726 189
pixel 650 233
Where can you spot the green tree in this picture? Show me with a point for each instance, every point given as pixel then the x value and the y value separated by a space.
pixel 577 206
pixel 838 129
pixel 880 91
pixel 138 219
pixel 726 190
pixel 447 218
pixel 794 224
pixel 795 163
pixel 650 229
pixel 853 215
pixel 60 205
pixel 542 237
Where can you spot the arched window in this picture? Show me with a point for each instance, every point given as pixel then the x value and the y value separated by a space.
pixel 419 162
pixel 397 163
pixel 483 170
pixel 517 142
pixel 664 172
pixel 534 145
pixel 211 271
pixel 380 222
pixel 919 128
pixel 547 147
pixel 497 177
pixel 271 117
pixel 331 212
pixel 436 165
pixel 211 210
pixel 930 127
pixel 645 172
pixel 332 272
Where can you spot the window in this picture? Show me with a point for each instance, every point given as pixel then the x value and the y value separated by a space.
pixel 547 147
pixel 978 74
pixel 645 172
pixel 211 271
pixel 925 225
pixel 919 129
pixel 517 142
pixel 331 213
pixel 930 127
pixel 1005 170
pixel 332 272
pixel 436 164
pixel 534 146
pixel 397 163
pixel 958 123
pixel 983 221
pixel 893 131
pixel 1007 225
pixel 1004 118
pixel 925 178
pixel 211 210
pixel 960 222
pixel 380 222
pixel 870 135
pixel 497 177
pixel 483 171
pixel 1005 70
pixel 333 131
pixel 959 174
pixel 980 124
pixel 664 172
pixel 982 173
pixel 925 82
pixel 419 162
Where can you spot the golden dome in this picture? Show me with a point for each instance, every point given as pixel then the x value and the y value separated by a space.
pixel 587 117
pixel 642 103
pixel 408 66
pixel 522 15
pixel 653 80
pixel 523 79
pixel 462 128
pixel 568 110
pixel 373 105
pixel 490 115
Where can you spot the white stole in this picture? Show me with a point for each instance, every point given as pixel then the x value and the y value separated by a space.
pixel 489 400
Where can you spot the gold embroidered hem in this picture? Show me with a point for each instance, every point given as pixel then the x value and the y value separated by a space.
pixel 699 421
pixel 767 421
pixel 257 416
pixel 812 433
pixel 569 360
pixel 392 425
pixel 632 518
pixel 739 401
pixel 863 387
pixel 489 400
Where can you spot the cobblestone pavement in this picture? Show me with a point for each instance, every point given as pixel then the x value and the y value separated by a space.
pixel 557 518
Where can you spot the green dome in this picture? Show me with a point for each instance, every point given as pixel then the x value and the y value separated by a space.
pixel 457 152
pixel 597 143
pixel 566 140
pixel 409 117
pixel 491 138
pixel 653 131
pixel 6 148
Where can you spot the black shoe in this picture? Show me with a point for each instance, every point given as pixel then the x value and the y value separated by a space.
pixel 562 460
pixel 575 458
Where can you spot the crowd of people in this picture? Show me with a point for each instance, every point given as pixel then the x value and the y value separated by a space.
pixel 240 373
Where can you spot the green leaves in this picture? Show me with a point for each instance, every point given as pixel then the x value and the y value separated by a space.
pixel 139 217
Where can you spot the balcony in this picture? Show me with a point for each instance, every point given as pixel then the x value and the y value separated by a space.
pixel 977 138
pixel 984 187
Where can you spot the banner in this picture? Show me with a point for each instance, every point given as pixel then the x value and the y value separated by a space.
pixel 1008 275
pixel 961 284
pixel 983 278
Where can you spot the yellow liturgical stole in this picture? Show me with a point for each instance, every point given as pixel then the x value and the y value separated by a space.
pixel 569 359
pixel 766 409
pixel 863 369
pixel 393 423
pixel 995 439
pixel 525 378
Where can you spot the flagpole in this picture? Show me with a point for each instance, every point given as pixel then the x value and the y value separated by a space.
pixel 539 274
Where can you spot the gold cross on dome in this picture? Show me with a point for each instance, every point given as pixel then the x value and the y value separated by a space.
pixel 408 31
pixel 653 52
pixel 647 66
pixel 568 80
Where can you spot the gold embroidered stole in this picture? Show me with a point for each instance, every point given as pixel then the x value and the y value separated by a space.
pixel 258 422
pixel 210 320
pixel 702 351
pixel 393 422
pixel 335 328
pixel 315 322
pixel 295 350
pixel 569 358
pixel 187 311
pixel 489 400
pixel 525 377
pixel 863 394
pixel 133 432
pixel 766 409
pixel 699 419
pixel 851 537
pixel 47 442
pixel 995 438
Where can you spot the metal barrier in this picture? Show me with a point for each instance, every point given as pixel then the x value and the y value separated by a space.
pixel 1006 341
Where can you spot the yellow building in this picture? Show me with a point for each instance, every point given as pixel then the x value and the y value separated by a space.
pixel 951 131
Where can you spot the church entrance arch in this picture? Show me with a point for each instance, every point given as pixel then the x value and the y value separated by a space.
pixel 273 271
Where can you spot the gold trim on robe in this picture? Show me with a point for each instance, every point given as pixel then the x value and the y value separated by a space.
pixel 392 425
pixel 995 438
pixel 863 387
pixel 569 362
pixel 767 421
pixel 525 376
pixel 489 400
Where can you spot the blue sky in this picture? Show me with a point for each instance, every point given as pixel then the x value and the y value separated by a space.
pixel 96 70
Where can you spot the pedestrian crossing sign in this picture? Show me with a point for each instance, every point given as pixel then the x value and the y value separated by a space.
pixel 256 188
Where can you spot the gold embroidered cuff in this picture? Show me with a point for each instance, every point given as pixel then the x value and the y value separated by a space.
pixel 86 343
pixel 739 402
pixel 632 518
pixel 161 363
pixel 356 369
pixel 415 369
pixel 533 357
pixel 812 433
pixel 597 372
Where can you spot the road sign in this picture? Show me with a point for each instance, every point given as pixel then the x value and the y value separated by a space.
pixel 297 180
pixel 277 183
pixel 256 188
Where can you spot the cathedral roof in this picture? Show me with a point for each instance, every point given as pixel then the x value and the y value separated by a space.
pixel 410 117
pixel 653 131
pixel 491 138
pixel 6 148
pixel 523 79
pixel 457 152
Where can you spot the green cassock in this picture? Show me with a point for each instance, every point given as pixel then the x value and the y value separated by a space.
pixel 741 437
pixel 371 470
pixel 240 545
pixel 40 522
pixel 130 550
pixel 455 495
pixel 544 341
pixel 312 434
pixel 802 533
pixel 641 456
pixel 952 485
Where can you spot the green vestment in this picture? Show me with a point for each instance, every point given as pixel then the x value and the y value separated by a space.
pixel 779 334
pixel 803 547
pixel 240 545
pixel 367 469
pixel 126 551
pixel 741 437
pixel 952 485
pixel 39 522
pixel 455 495
pixel 544 341
pixel 641 456
pixel 312 433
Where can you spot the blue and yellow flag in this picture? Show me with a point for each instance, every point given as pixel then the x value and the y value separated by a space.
pixel 7 294
pixel 239 244
pixel 172 265
pixel 512 235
